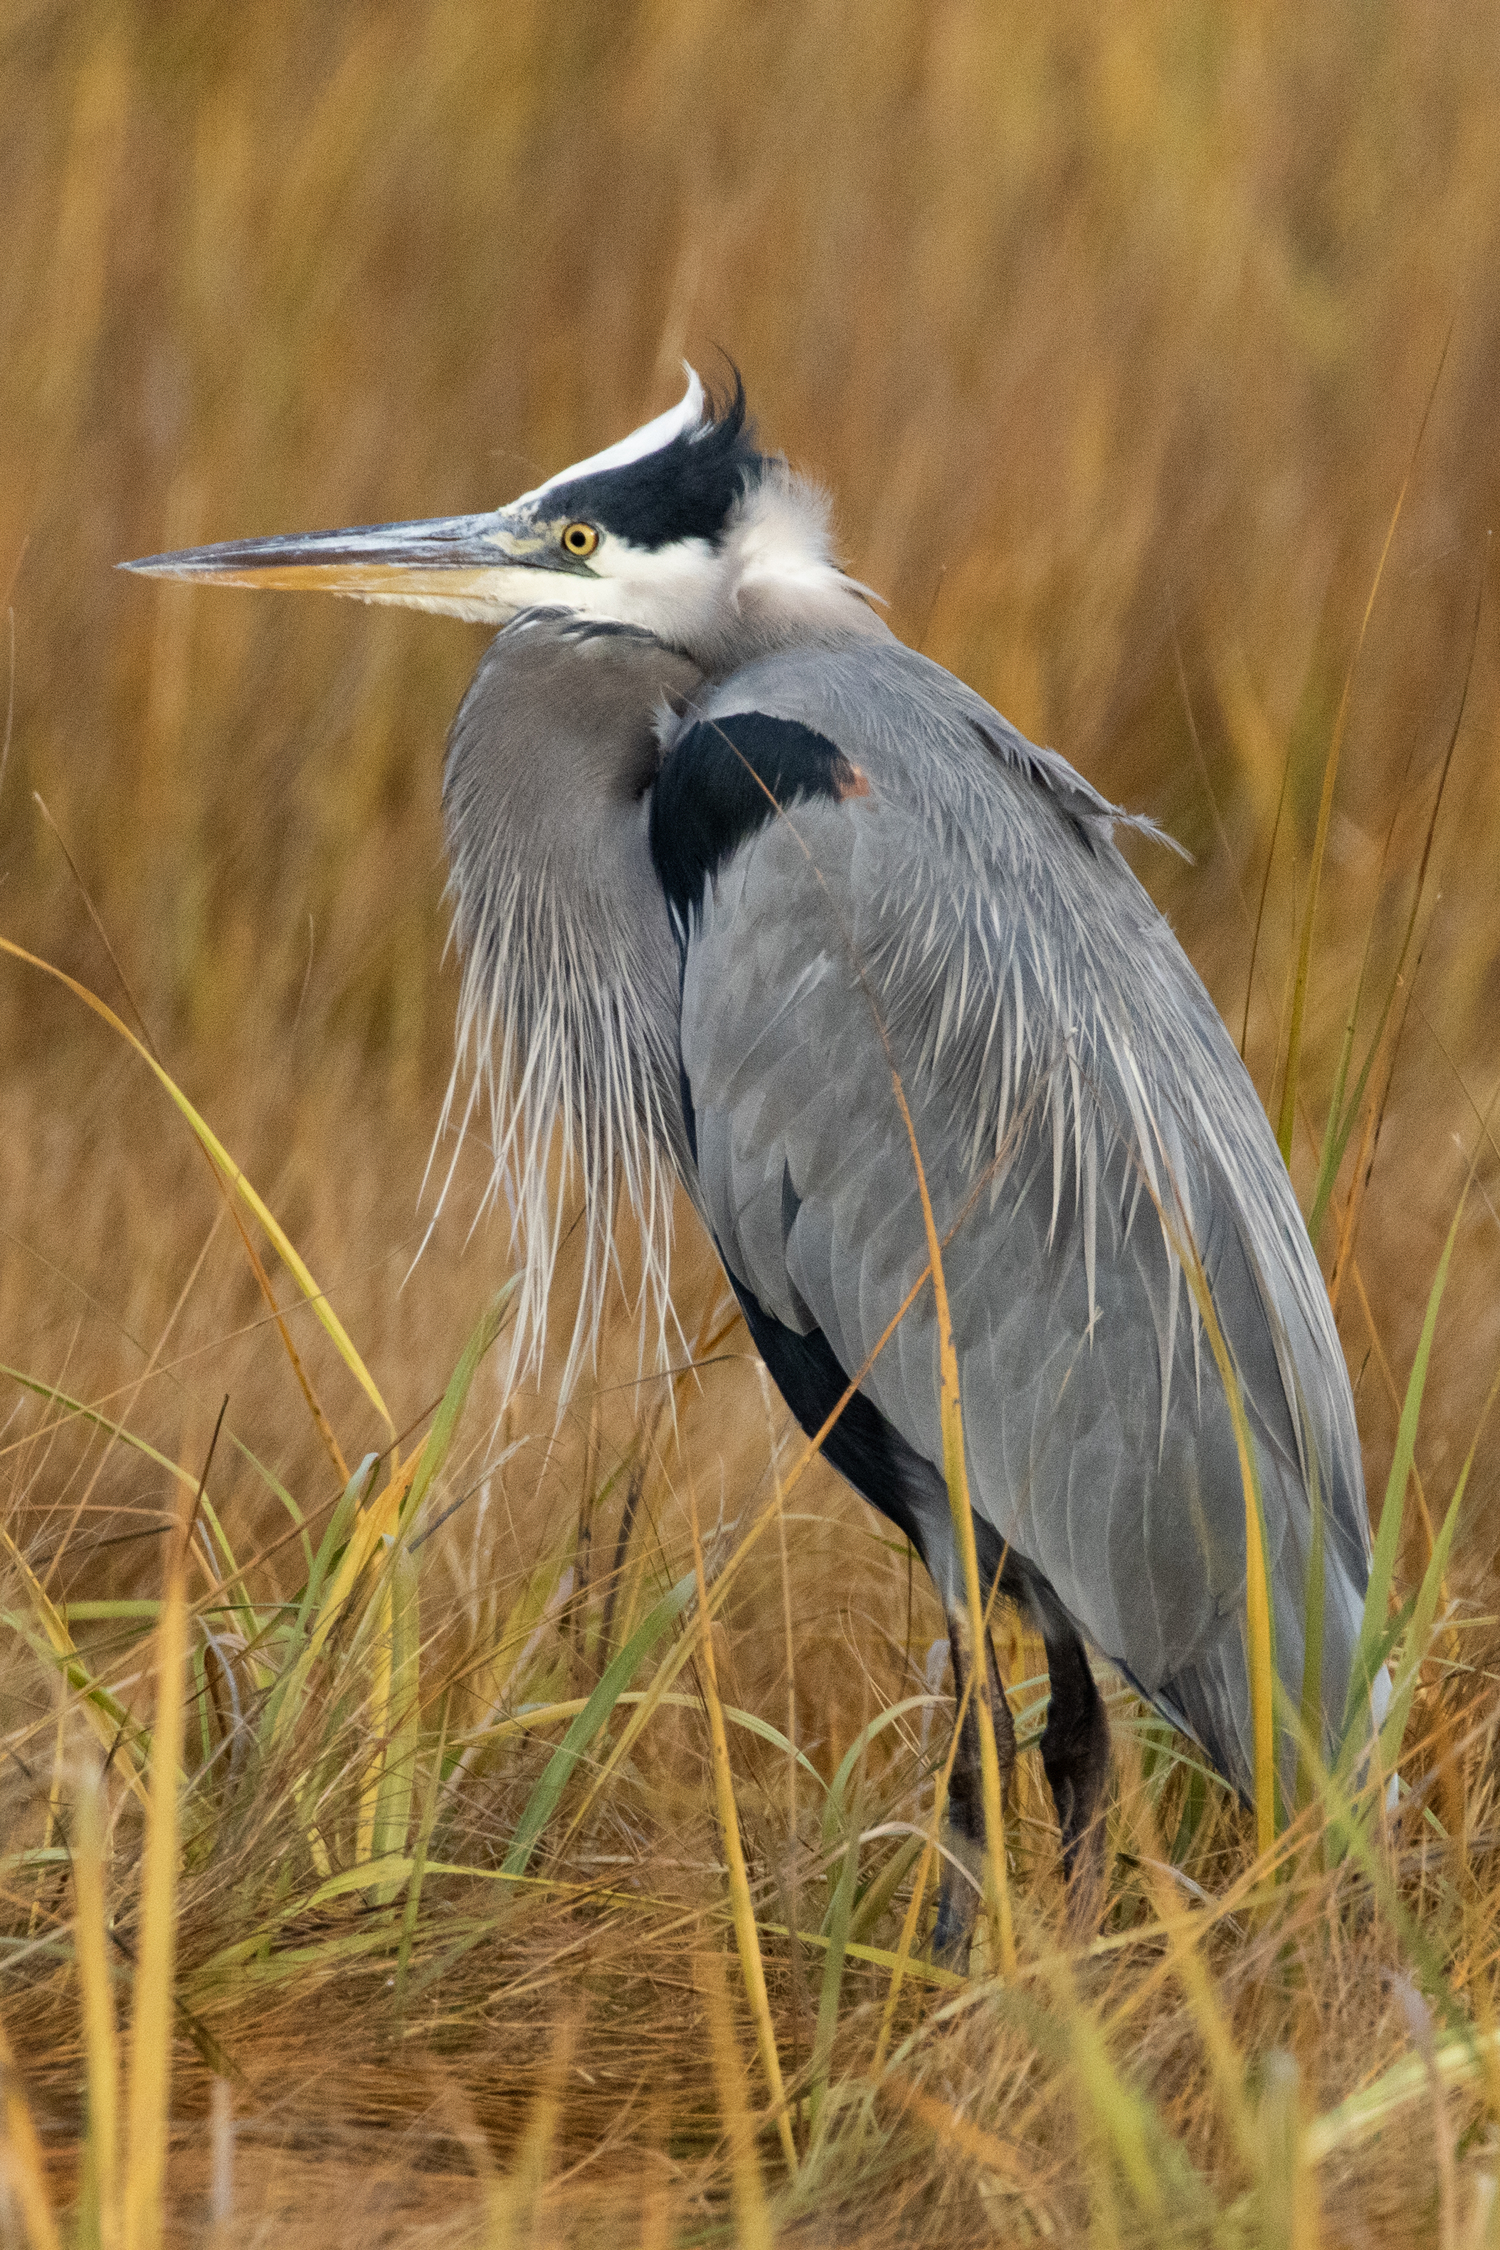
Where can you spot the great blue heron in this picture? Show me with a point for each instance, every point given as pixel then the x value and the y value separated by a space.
pixel 729 860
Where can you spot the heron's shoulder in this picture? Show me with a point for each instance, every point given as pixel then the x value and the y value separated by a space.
pixel 921 729
pixel 724 778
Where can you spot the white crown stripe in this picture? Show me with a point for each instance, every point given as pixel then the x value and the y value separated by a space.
pixel 687 415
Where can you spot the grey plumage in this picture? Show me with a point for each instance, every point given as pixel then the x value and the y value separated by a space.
pixel 868 870
pixel 567 1022
pixel 1082 1117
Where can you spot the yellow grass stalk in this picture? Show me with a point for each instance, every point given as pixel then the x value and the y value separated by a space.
pixel 378 1711
pixel 1258 1643
pixel 108 1717
pixel 919 1888
pixel 54 1800
pixel 719 1593
pixel 656 2200
pixel 498 2196
pixel 1287 2191
pixel 535 2157
pixel 221 1157
pixel 955 1470
pixel 878 1956
pixel 752 2219
pixel 1257 1607
pixel 747 1937
pixel 1117 2114
pixel 402 1729
pixel 1183 1934
pixel 100 2034
pixel 21 2157
pixel 953 2130
pixel 786 1612
pixel 221 2163
pixel 151 2005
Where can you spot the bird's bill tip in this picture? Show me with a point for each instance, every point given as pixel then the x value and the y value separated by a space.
pixel 448 560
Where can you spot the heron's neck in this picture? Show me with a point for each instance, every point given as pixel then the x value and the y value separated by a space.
pixel 780 586
pixel 568 1007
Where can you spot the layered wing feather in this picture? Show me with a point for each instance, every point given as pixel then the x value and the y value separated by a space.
pixel 1088 1134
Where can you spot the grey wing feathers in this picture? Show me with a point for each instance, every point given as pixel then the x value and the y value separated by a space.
pixel 1084 1124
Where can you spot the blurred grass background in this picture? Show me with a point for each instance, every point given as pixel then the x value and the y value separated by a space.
pixel 1111 332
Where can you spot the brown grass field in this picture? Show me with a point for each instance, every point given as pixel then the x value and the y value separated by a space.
pixel 1152 355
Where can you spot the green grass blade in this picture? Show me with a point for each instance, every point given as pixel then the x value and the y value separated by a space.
pixel 297 1658
pixel 836 1930
pixel 439 1438
pixel 274 1484
pixel 752 1723
pixel 1287 1118
pixel 144 1611
pixel 336 1536
pixel 1392 1512
pixel 1418 1638
pixel 542 1802
pixel 47 1635
pixel 833 1810
pixel 1341 1115
pixel 423 1846
pixel 103 1422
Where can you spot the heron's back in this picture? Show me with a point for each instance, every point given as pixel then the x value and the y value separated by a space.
pixel 1090 1140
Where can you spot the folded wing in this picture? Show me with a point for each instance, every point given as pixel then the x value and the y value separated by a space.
pixel 880 878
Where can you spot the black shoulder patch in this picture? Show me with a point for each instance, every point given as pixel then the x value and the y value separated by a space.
pixel 684 490
pixel 722 781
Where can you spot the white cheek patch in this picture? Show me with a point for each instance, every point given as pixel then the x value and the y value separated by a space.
pixel 671 592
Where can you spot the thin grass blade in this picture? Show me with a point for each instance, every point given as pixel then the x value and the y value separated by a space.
pixel 399 1760
pixel 752 2218
pixel 100 2035
pixel 108 1717
pixel 1286 1121
pixel 151 2008
pixel 1372 1632
pixel 747 1937
pixel 285 1249
pixel 542 1802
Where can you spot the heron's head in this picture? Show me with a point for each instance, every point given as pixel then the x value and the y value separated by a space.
pixel 683 529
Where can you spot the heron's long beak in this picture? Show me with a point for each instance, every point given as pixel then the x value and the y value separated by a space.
pixel 467 566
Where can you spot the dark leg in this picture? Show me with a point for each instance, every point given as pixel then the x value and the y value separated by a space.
pixel 958 1898
pixel 1075 1755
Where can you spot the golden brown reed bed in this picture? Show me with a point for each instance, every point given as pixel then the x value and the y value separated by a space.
pixel 1113 337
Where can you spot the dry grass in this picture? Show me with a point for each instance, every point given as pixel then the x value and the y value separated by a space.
pixel 1113 334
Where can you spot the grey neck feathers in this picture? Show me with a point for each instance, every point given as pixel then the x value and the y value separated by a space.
pixel 568 1008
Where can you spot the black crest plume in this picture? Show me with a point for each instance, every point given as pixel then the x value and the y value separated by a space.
pixel 684 490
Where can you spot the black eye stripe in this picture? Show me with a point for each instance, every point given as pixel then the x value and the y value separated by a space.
pixel 685 490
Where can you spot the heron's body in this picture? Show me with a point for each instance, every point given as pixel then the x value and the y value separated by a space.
pixel 1081 1116
pixel 730 864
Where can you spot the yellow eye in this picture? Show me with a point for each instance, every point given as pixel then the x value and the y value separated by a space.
pixel 580 538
